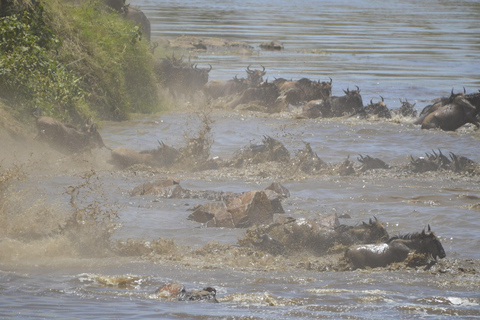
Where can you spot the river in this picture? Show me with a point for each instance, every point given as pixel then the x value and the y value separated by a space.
pixel 395 49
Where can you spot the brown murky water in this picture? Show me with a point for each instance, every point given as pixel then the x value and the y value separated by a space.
pixel 414 50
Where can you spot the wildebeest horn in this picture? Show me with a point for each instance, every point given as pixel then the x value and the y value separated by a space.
pixel 383 100
pixel 358 89
pixel 263 71
pixel 210 68
pixel 331 80
pixel 429 230
pixel 248 70
pixel 371 101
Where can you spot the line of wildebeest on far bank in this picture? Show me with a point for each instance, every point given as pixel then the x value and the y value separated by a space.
pixel 313 97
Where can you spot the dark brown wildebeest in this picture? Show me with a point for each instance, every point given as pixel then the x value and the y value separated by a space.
pixel 449 117
pixel 66 138
pixel 296 92
pixel 347 105
pixel 396 249
pixel 266 94
pixel 180 77
pixel 221 88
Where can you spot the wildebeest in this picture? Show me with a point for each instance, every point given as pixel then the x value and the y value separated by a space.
pixel 349 104
pixel 221 88
pixel 316 235
pixel 449 117
pixel 396 249
pixel 369 163
pixel 378 109
pixel 67 138
pixel 450 113
pixel 180 77
pixel 270 150
pixel 307 160
pixel 255 77
pixel 406 110
pixel 266 94
pixel 177 291
pixel 125 157
pixel 162 156
pixel 296 92
pixel 371 232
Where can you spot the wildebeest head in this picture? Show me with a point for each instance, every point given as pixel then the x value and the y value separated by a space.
pixel 378 108
pixel 407 109
pixel 255 77
pixel 95 139
pixel 199 77
pixel 430 244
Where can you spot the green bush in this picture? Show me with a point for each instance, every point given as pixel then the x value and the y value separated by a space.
pixel 29 74
pixel 75 61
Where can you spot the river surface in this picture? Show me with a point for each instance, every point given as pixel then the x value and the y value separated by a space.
pixel 415 50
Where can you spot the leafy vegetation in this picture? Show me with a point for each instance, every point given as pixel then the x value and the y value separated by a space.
pixel 74 62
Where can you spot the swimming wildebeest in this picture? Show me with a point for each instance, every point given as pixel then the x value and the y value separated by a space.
pixel 451 113
pixel 369 163
pixel 303 90
pixel 67 138
pixel 452 116
pixel 378 109
pixel 162 156
pixel 406 110
pixel 221 88
pixel 396 249
pixel 266 94
pixel 349 104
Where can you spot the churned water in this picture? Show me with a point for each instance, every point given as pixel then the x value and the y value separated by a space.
pixel 396 49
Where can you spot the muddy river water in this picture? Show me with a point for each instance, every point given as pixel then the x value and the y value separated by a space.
pixel 397 49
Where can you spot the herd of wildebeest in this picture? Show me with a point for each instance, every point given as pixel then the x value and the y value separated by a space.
pixel 369 244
